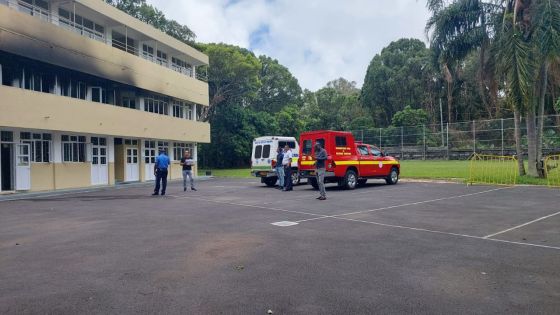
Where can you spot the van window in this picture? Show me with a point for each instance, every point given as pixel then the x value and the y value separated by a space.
pixel 340 141
pixel 258 151
pixel 266 151
pixel 307 146
pixel 291 144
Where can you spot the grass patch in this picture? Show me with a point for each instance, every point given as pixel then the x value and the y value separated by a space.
pixel 442 169
pixel 431 169
pixel 235 173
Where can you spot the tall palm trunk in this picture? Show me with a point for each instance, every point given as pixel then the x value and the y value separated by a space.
pixel 532 140
pixel 540 130
pixel 517 136
pixel 448 76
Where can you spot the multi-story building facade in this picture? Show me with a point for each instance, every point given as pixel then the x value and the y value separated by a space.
pixel 89 94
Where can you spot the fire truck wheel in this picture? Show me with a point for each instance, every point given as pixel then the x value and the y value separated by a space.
pixel 270 181
pixel 393 177
pixel 350 180
pixel 313 182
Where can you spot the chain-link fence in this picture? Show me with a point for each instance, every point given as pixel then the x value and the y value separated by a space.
pixel 459 140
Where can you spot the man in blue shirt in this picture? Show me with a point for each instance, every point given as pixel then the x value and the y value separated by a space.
pixel 160 170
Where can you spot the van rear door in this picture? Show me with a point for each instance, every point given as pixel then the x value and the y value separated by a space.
pixel 262 155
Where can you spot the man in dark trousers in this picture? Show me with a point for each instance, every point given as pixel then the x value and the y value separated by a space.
pixel 320 166
pixel 287 163
pixel 280 167
pixel 160 170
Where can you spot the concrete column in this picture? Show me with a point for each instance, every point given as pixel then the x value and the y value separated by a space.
pixel 56 147
pixel 195 158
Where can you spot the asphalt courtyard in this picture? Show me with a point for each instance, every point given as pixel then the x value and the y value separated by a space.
pixel 237 247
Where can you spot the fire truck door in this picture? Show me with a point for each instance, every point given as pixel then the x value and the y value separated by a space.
pixel 366 161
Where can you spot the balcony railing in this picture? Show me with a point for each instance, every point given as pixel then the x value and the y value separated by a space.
pixel 79 29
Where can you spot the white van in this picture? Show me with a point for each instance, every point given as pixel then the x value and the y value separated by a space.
pixel 263 158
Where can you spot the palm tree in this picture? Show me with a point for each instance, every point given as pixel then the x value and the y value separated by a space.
pixel 524 35
pixel 529 41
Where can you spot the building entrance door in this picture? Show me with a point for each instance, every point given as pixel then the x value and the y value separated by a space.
pixel 23 166
pixel 149 159
pixel 132 171
pixel 7 167
pixel 99 165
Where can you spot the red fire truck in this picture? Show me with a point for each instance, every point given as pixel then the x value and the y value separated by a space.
pixel 349 163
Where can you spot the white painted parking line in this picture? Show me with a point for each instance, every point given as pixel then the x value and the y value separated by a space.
pixel 447 233
pixel 285 223
pixel 405 204
pixel 522 225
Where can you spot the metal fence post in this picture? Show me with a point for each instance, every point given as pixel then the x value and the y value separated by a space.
pixel 447 144
pixel 362 135
pixel 402 141
pixel 474 135
pixel 380 138
pixel 424 140
pixel 502 137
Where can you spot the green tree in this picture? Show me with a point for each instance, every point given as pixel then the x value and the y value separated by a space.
pixel 151 15
pixel 279 87
pixel 401 75
pixel 410 117
pixel 233 77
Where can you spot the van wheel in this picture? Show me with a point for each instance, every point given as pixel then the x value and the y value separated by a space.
pixel 350 180
pixel 313 182
pixel 362 182
pixel 270 181
pixel 393 177
pixel 295 178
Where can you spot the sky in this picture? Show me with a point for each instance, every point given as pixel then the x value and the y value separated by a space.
pixel 318 40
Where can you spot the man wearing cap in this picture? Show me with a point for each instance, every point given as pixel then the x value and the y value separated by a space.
pixel 160 170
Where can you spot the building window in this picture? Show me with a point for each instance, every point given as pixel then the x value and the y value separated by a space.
pixel 155 104
pixel 163 145
pixel 189 110
pixel 73 148
pixel 178 109
pixel 162 58
pixel 131 142
pixel 81 25
pixel 128 102
pixel 40 144
pixel 98 95
pixel 181 66
pixel 6 136
pixel 148 52
pixel 179 149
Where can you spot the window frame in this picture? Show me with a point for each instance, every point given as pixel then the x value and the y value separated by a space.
pixel 38 142
pixel 76 147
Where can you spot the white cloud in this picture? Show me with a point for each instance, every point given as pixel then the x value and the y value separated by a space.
pixel 318 40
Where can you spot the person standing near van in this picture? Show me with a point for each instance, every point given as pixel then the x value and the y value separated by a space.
pixel 187 162
pixel 320 166
pixel 280 167
pixel 287 164
pixel 160 170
